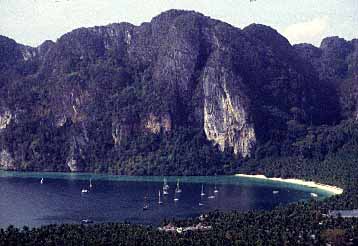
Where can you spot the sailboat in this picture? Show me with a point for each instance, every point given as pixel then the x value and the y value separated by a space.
pixel 165 187
pixel 42 181
pixel 165 192
pixel 90 185
pixel 146 205
pixel 215 188
pixel 212 196
pixel 178 190
pixel 159 198
pixel 202 194
pixel 202 190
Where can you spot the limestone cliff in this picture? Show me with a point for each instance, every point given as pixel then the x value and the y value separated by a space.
pixel 226 112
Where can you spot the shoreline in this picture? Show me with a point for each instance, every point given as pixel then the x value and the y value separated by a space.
pixel 335 190
pixel 329 188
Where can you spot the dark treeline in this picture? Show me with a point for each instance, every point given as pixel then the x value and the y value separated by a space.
pixel 299 224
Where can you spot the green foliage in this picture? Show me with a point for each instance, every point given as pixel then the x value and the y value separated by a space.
pixel 298 224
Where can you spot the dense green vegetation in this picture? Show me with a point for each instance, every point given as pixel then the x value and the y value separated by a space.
pixel 301 224
pixel 326 153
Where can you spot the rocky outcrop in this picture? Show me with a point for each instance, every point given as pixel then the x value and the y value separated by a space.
pixel 336 63
pixel 6 161
pixel 77 153
pixel 121 132
pixel 5 119
pixel 155 124
pixel 28 53
pixel 226 112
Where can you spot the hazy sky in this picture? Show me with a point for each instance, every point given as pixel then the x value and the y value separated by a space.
pixel 33 21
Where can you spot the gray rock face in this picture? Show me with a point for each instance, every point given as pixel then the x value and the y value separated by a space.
pixel 336 63
pixel 5 119
pixel 123 129
pixel 226 112
pixel 77 153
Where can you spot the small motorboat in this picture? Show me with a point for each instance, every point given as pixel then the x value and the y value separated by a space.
pixel 87 221
pixel 176 198
pixel 313 194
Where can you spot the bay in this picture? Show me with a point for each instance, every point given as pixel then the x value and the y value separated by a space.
pixel 26 202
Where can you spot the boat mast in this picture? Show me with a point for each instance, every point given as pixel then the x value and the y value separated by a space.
pixel 202 190
pixel 159 198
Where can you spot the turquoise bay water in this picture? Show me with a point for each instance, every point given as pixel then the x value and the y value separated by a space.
pixel 24 201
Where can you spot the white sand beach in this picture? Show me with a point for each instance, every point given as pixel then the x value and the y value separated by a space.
pixel 332 189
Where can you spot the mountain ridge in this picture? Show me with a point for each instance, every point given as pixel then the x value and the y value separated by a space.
pixel 97 93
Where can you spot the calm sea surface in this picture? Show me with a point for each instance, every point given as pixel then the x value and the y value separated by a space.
pixel 24 201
